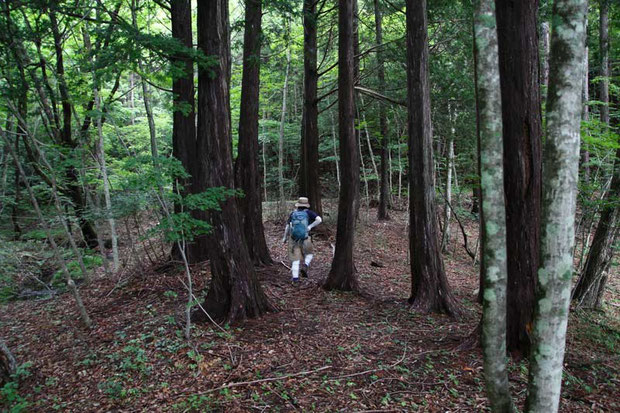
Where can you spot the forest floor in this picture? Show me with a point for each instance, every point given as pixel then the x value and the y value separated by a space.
pixel 324 351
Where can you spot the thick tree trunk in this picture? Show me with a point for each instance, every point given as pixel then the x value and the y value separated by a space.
pixel 560 172
pixel 429 286
pixel 604 60
pixel 342 275
pixel 234 291
pixel 591 285
pixel 493 209
pixel 247 174
pixel 518 64
pixel 184 115
pixel 384 185
pixel 309 179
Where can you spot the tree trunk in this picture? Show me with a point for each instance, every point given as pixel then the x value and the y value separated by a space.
pixel 384 185
pixel 57 254
pixel 184 115
pixel 75 190
pixel 247 174
pixel 342 275
pixel 591 283
pixel 429 286
pixel 336 160
pixel 234 291
pixel 493 209
pixel 282 121
pixel 544 63
pixel 8 365
pixel 445 239
pixel 604 60
pixel 560 172
pixel 518 64
pixel 310 182
pixel 585 115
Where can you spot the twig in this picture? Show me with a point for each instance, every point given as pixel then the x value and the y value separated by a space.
pixel 247 383
pixel 282 262
pixel 361 373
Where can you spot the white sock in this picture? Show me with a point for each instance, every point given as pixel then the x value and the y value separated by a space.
pixel 308 259
pixel 295 269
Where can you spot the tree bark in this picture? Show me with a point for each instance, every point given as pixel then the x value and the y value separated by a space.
pixel 429 285
pixel 384 185
pixel 282 121
pixel 247 174
pixel 518 64
pixel 184 115
pixel 591 284
pixel 445 239
pixel 493 214
pixel 8 365
pixel 343 275
pixel 234 291
pixel 310 182
pixel 560 172
pixel 604 60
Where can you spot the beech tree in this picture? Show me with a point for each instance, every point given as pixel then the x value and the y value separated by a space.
pixel 521 117
pixel 247 174
pixel 560 177
pixel 493 217
pixel 429 285
pixel 342 275
pixel 234 291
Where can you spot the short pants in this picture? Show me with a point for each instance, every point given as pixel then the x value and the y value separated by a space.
pixel 298 249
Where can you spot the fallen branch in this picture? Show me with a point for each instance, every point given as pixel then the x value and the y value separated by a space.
pixel 247 383
pixel 361 373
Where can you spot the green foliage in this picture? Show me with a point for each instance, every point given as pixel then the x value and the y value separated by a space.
pixel 12 399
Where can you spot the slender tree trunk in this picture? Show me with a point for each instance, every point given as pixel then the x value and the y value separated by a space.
pixel 544 59
pixel 518 64
pixel 591 283
pixel 234 291
pixel 585 115
pixel 76 192
pixel 247 174
pixel 604 60
pixel 342 275
pixel 336 159
pixel 310 182
pixel 132 102
pixel 447 211
pixel 429 285
pixel 264 153
pixel 493 208
pixel 101 158
pixel 384 184
pixel 61 261
pixel 282 121
pixel 560 172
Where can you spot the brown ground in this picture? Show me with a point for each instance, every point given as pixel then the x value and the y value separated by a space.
pixel 343 352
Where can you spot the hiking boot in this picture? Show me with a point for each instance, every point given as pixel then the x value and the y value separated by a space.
pixel 304 270
pixel 295 280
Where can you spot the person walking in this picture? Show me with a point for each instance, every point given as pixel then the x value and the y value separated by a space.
pixel 297 233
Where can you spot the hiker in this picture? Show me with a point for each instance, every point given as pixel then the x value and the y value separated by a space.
pixel 297 232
